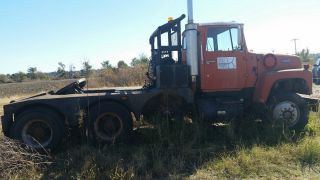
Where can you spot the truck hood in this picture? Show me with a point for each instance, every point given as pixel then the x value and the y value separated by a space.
pixel 288 62
pixel 281 62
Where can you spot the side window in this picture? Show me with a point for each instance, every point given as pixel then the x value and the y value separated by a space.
pixel 174 39
pixel 210 44
pixel 223 39
pixel 235 38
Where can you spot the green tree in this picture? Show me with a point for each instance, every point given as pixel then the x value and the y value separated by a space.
pixel 72 69
pixel 42 76
pixel 61 70
pixel 305 55
pixel 86 68
pixel 18 77
pixel 106 65
pixel 122 64
pixel 314 57
pixel 4 78
pixel 32 73
pixel 141 60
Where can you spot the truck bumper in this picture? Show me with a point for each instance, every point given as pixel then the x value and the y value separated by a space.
pixel 313 103
pixel 6 124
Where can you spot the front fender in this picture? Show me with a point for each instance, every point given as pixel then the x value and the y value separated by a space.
pixel 266 81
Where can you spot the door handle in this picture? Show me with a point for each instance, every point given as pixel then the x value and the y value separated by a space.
pixel 210 62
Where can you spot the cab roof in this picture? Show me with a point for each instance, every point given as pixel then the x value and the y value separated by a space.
pixel 232 23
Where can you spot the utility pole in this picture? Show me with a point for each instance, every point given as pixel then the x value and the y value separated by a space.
pixel 295 45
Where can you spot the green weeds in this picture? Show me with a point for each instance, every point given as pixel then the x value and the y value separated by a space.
pixel 174 150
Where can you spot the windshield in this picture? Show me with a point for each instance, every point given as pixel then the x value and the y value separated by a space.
pixel 223 39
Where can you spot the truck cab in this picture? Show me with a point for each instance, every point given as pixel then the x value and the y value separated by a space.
pixel 226 79
pixel 221 58
pixel 226 65
pixel 316 72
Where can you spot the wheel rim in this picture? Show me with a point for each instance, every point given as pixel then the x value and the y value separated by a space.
pixel 286 112
pixel 37 133
pixel 108 126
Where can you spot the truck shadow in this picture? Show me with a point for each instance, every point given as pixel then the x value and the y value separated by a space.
pixel 164 150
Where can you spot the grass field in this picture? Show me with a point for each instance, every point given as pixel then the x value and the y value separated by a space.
pixel 14 89
pixel 193 152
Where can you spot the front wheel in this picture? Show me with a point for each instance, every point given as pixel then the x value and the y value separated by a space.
pixel 289 110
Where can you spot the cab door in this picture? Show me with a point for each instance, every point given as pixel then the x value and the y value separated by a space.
pixel 223 60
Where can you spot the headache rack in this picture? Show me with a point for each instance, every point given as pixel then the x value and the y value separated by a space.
pixel 166 46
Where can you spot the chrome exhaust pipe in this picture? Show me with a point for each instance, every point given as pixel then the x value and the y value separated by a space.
pixel 192 43
pixel 190 11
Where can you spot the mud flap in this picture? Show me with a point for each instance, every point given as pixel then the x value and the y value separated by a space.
pixel 6 124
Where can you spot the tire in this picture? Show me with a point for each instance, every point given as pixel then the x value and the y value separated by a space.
pixel 109 122
pixel 39 128
pixel 288 109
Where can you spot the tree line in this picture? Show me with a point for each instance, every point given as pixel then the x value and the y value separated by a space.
pixel 308 57
pixel 64 72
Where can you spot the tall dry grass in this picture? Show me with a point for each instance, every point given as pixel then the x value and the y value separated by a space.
pixel 175 150
pixel 17 159
pixel 130 76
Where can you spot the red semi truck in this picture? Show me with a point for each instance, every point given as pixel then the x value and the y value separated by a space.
pixel 206 71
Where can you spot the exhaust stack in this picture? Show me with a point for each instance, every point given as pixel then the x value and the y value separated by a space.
pixel 190 11
pixel 191 43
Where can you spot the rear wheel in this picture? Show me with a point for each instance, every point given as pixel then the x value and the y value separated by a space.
pixel 39 128
pixel 109 122
pixel 289 110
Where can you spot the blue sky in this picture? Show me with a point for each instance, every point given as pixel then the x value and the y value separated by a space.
pixel 37 33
